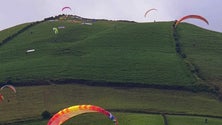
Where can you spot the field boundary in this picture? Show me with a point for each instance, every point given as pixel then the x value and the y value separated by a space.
pixel 164 113
pixel 7 39
pixel 192 88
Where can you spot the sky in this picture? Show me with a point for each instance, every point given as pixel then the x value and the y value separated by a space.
pixel 15 12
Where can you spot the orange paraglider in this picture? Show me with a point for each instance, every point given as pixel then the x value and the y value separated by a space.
pixel 1 97
pixel 192 16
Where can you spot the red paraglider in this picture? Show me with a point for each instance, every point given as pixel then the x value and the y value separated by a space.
pixel 149 11
pixel 1 97
pixel 192 16
pixel 66 8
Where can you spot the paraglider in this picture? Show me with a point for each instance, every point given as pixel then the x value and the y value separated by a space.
pixel 67 113
pixel 149 11
pixel 64 8
pixel 56 31
pixel 10 87
pixel 1 97
pixel 192 16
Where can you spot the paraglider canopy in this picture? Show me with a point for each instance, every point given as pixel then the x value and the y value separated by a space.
pixel 67 113
pixel 64 8
pixel 149 11
pixel 56 31
pixel 192 17
pixel 1 97
pixel 10 87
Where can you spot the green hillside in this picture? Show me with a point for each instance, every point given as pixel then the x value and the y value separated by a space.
pixel 203 50
pixel 30 101
pixel 8 32
pixel 111 52
pixel 105 51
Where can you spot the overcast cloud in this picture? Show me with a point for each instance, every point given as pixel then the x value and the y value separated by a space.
pixel 14 12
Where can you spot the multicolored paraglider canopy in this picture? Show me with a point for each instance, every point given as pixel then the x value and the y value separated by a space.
pixel 192 17
pixel 67 113
pixel 10 87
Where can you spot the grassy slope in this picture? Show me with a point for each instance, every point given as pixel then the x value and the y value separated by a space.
pixel 8 32
pixel 133 118
pixel 98 119
pixel 32 101
pixel 111 55
pixel 188 120
pixel 203 48
pixel 105 51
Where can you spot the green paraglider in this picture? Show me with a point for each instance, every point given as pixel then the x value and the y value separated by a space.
pixel 56 31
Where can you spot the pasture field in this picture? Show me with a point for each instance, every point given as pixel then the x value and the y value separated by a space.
pixel 132 119
pixel 191 120
pixel 98 119
pixel 30 102
pixel 107 51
